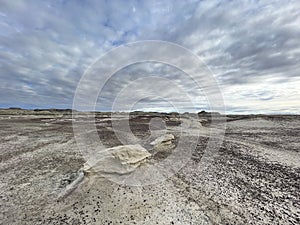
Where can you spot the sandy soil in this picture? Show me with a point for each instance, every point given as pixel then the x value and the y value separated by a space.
pixel 254 178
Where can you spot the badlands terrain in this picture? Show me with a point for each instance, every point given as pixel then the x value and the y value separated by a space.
pixel 253 177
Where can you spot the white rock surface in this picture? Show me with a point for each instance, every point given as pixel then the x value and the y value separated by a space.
pixel 164 143
pixel 120 160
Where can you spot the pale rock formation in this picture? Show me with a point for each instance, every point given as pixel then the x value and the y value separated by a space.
pixel 117 160
pixel 164 143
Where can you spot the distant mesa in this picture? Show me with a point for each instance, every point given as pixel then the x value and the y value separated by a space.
pixel 54 110
pixel 20 111
pixel 15 108
pixel 170 116
pixel 204 113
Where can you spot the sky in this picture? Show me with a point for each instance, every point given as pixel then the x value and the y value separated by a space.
pixel 251 47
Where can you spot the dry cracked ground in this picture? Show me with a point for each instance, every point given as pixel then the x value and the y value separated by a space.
pixel 252 179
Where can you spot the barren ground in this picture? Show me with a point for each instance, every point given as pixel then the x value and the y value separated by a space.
pixel 254 179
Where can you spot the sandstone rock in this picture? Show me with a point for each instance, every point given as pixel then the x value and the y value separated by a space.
pixel 71 183
pixel 164 143
pixel 118 160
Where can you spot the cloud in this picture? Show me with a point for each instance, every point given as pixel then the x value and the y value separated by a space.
pixel 252 47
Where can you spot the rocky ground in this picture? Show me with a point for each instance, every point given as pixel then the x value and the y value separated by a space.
pixel 252 179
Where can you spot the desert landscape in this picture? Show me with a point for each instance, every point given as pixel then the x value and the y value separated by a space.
pixel 253 178
pixel 149 112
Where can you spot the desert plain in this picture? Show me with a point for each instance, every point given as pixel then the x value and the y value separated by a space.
pixel 253 177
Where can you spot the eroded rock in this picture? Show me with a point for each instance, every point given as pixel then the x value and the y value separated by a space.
pixel 120 160
pixel 164 143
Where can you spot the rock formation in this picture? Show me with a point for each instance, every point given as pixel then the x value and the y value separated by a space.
pixel 164 143
pixel 119 160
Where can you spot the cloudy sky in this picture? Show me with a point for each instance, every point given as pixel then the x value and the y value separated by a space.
pixel 251 47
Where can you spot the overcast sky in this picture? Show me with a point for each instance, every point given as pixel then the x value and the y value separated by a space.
pixel 251 47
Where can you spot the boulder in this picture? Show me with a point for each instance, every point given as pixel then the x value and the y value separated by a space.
pixel 121 160
pixel 164 143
